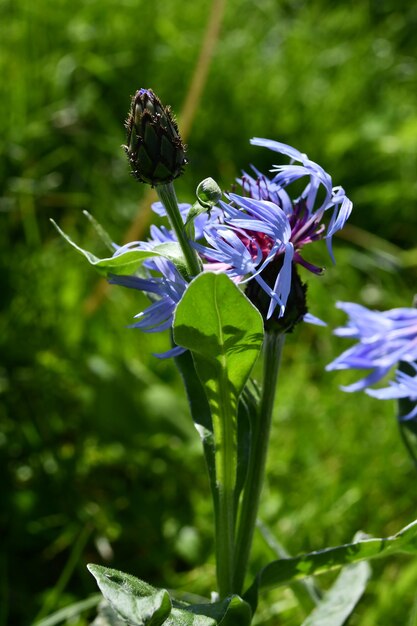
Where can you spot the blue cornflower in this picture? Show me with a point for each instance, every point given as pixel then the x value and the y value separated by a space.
pixel 165 290
pixel 384 339
pixel 160 279
pixel 247 242
pixel 265 227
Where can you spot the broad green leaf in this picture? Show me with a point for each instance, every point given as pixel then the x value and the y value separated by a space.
pixel 216 321
pixel 224 332
pixel 143 605
pixel 106 616
pixel 200 412
pixel 128 262
pixel 339 602
pixel 290 569
pixel 133 599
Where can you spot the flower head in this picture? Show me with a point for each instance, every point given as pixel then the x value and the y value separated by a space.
pixel 384 338
pixel 165 289
pixel 262 231
pixel 154 146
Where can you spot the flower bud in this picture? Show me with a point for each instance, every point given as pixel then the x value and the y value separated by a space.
pixel 154 146
pixel 208 193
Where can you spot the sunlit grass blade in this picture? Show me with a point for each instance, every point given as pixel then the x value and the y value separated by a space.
pixel 287 570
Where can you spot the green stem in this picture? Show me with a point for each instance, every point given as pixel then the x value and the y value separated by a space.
pixel 168 198
pixel 224 429
pixel 273 345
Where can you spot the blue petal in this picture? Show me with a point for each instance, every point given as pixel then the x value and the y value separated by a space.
pixel 170 353
pixel 312 319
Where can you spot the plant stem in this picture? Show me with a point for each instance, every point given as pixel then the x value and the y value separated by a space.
pixel 168 198
pixel 261 427
pixel 224 428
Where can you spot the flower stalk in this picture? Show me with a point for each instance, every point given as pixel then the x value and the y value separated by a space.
pixel 168 198
pixel 273 345
pixel 225 436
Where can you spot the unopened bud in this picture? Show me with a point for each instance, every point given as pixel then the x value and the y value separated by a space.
pixel 208 192
pixel 154 146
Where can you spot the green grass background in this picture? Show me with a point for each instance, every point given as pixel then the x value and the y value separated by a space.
pixel 99 460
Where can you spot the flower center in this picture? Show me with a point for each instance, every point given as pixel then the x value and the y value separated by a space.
pixel 256 242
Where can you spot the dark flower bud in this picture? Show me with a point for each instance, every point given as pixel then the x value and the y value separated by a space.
pixel 154 146
pixel 296 306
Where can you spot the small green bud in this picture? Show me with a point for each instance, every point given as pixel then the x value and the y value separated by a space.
pixel 208 192
pixel 154 146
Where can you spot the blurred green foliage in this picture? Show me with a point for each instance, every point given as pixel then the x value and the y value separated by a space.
pixel 99 460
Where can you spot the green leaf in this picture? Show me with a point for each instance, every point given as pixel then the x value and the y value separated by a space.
pixel 132 598
pixel 200 412
pixel 339 602
pixel 106 616
pixel 232 611
pixel 290 569
pixel 224 332
pixel 128 262
pixel 216 321
pixel 144 605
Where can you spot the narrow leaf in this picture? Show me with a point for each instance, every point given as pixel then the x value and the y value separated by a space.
pixel 133 599
pixel 341 599
pixel 130 261
pixel 290 569
pixel 126 263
